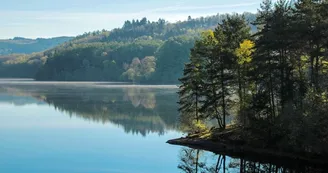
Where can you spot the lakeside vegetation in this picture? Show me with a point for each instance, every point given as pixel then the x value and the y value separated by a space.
pixel 274 82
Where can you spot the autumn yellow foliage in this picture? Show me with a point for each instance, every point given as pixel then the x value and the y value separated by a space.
pixel 245 51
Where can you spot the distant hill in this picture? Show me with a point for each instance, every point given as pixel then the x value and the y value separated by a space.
pixel 20 45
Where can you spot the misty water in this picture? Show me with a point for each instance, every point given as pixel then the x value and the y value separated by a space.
pixel 87 127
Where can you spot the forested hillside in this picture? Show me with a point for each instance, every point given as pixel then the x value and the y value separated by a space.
pixel 19 57
pixel 141 51
pixel 21 65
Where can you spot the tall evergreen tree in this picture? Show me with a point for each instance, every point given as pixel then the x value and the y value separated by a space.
pixel 190 92
pixel 212 104
pixel 311 18
pixel 264 101
pixel 236 30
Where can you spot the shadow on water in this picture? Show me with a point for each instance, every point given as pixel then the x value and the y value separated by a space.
pixel 138 110
pixel 199 161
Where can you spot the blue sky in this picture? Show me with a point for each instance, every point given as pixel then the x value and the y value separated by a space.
pixel 51 18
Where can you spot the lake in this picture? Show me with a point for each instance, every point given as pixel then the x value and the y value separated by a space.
pixel 85 127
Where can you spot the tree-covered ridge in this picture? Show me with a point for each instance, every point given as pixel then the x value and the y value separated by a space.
pixel 20 45
pixel 275 80
pixel 161 29
pixel 105 55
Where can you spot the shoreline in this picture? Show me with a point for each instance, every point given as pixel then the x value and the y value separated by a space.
pixel 247 152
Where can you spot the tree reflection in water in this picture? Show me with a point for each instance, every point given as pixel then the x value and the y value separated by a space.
pixel 140 97
pixel 139 110
pixel 199 161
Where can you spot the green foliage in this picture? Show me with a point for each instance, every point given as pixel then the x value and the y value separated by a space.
pixel 278 82
pixel 191 89
pixel 206 88
pixel 170 59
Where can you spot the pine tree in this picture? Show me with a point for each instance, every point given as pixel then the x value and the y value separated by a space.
pixel 311 20
pixel 213 93
pixel 236 31
pixel 264 101
pixel 190 91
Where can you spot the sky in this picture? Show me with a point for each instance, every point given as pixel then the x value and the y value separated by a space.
pixel 52 18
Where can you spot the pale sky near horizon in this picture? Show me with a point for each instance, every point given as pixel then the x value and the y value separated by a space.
pixel 51 18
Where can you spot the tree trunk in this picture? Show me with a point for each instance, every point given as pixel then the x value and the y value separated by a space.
pixel 312 70
pixel 223 95
pixel 316 77
pixel 224 164
pixel 219 119
pixel 244 93
pixel 197 158
pixel 271 95
pixel 217 168
pixel 197 117
pixel 240 93
pixel 282 82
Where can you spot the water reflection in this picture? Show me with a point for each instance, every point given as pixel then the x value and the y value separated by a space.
pixel 140 97
pixel 138 110
pixel 198 161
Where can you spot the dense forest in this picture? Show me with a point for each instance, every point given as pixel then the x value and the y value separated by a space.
pixel 140 51
pixel 275 80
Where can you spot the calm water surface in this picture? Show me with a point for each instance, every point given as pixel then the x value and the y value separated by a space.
pixel 99 127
